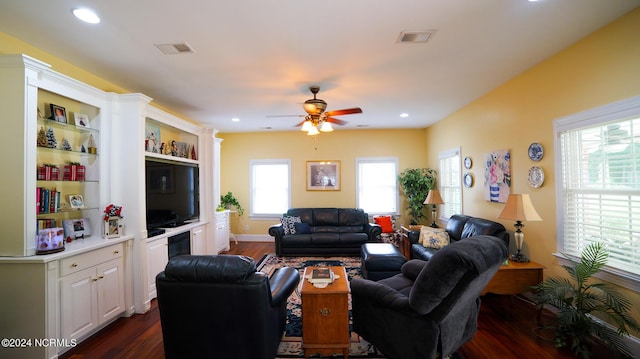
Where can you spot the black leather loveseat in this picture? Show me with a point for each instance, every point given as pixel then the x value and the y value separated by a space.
pixel 459 226
pixel 323 231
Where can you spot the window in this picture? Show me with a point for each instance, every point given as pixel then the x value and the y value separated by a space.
pixel 270 188
pixel 450 183
pixel 377 180
pixel 598 187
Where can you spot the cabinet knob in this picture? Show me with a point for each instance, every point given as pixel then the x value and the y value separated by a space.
pixel 116 252
pixel 101 276
pixel 325 312
pixel 94 279
pixel 74 265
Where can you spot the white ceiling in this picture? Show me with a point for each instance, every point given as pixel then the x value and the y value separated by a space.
pixel 257 58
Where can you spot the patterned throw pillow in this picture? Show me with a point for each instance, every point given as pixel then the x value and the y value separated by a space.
pixel 433 237
pixel 289 224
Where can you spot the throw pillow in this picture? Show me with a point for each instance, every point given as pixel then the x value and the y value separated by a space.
pixel 385 223
pixel 302 228
pixel 433 237
pixel 289 224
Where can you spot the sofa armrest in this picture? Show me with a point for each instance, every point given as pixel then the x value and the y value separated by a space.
pixel 276 231
pixel 282 283
pixel 412 268
pixel 379 293
pixel 373 231
pixel 412 235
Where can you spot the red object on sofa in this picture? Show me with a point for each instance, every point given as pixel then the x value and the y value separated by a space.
pixel 385 223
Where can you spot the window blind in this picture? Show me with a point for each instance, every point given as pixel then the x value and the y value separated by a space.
pixel 450 183
pixel 601 190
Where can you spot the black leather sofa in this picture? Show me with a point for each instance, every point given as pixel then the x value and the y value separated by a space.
pixel 220 307
pixel 459 226
pixel 325 232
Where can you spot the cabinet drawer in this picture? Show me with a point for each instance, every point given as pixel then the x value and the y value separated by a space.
pixel 83 261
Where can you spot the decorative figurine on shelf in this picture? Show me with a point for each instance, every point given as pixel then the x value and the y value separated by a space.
pixel 66 146
pixel 174 148
pixel 92 145
pixel 112 226
pixel 83 149
pixel 42 138
pixel 51 138
pixel 193 153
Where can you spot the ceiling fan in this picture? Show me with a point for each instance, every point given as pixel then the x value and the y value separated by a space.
pixel 317 119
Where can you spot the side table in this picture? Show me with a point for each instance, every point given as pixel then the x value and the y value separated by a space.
pixel 515 278
pixel 325 315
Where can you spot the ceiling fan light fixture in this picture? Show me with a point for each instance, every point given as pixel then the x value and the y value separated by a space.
pixel 306 126
pixel 326 127
pixel 313 131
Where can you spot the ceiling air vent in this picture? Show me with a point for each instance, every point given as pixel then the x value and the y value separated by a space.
pixel 416 37
pixel 175 48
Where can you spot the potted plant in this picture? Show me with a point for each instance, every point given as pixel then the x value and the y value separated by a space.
pixel 416 183
pixel 579 299
pixel 229 200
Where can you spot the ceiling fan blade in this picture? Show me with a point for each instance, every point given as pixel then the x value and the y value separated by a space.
pixel 347 111
pixel 270 116
pixel 336 121
pixel 300 124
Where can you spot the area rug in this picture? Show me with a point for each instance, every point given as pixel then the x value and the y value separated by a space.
pixel 291 345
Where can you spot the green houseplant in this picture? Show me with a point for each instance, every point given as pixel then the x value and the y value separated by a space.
pixel 229 200
pixel 416 183
pixel 577 299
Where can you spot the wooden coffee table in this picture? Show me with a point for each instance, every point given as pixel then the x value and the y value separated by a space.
pixel 325 315
pixel 515 278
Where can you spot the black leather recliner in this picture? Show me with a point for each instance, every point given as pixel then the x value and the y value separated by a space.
pixel 220 307
pixel 431 308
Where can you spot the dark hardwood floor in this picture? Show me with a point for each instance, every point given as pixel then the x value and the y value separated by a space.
pixel 506 329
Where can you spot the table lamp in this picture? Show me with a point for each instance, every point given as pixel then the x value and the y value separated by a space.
pixel 519 208
pixel 433 198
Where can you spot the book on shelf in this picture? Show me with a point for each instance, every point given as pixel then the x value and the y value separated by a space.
pixel 321 275
pixel 47 200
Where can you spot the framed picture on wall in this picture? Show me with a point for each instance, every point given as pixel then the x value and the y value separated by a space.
pixel 323 175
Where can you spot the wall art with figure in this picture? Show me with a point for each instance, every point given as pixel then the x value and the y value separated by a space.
pixel 497 176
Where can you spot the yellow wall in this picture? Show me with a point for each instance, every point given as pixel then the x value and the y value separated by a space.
pixel 11 45
pixel 602 68
pixel 343 145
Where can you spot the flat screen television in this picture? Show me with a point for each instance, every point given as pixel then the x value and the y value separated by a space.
pixel 172 193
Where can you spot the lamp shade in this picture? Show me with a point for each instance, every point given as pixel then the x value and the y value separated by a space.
pixel 433 197
pixel 519 208
pixel 306 126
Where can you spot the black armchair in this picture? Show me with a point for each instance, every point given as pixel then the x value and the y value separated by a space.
pixel 431 308
pixel 220 307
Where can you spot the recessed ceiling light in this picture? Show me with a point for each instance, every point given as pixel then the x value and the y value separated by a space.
pixel 235 119
pixel 404 114
pixel 86 15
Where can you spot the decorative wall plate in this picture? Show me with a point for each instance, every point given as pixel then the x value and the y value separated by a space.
pixel 468 180
pixel 468 163
pixel 536 177
pixel 536 151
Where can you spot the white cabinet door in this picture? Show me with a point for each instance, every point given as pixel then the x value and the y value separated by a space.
pixel 110 287
pixel 79 312
pixel 157 258
pixel 198 244
pixel 222 231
